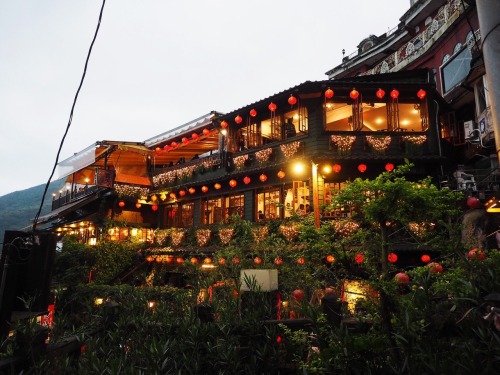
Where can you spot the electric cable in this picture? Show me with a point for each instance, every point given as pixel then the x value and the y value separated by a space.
pixel 70 120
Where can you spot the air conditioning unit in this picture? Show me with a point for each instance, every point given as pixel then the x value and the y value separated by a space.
pixel 470 130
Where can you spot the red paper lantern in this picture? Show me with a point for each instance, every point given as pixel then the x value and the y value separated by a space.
pixel 182 193
pixel 185 140
pixel 172 195
pixel 217 186
pixel 362 168
pixel 149 259
pixel 272 107
pixel 425 258
pixel 281 174
pixel 435 267
pixel 292 100
pixel 222 261
pixel 236 260
pixel 233 183
pixel 246 180
pixel 330 258
pixel 392 258
pixel 354 94
pixel 158 151
pixel 476 254
pixel 121 203
pixel 473 202
pixel 329 93
pixel 298 294
pixel 402 278
pixel 301 260
pixel 204 189
pixel 206 132
pixel 207 261
pixel 263 177
pixel 257 260
pixel 278 261
pixel 336 168
pixel 179 260
pixel 389 167
pixel 154 207
pixel 138 205
pixel 169 259
pixel 194 260
pixel 359 258
pixel 238 119
pixel 394 94
pixel 380 93
pixel 158 260
pixel 223 124
pixel 194 136
pixel 192 190
pixel 173 144
pixel 421 94
pixel 253 112
pixel 167 147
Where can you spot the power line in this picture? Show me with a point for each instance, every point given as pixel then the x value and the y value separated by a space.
pixel 70 120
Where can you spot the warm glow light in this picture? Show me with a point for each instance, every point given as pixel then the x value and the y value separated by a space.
pixel 272 107
pixel 392 258
pixel 238 119
pixel 421 94
pixel 389 167
pixel 98 301
pixel 233 183
pixel 246 180
pixel 223 132
pixel 394 94
pixel 253 112
pixel 299 168
pixel 192 190
pixel 292 100
pixel 337 168
pixel 217 186
pixel 133 232
pixel 329 93
pixel 380 93
pixel 362 168
pixel 327 169
pixel 263 177
pixel 204 189
pixel 185 140
pixel 354 94
pixel 281 174
pixel 223 124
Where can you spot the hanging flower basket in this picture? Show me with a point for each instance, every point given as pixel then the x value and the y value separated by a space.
pixel 125 190
pixel 225 235
pixel 160 236
pixel 239 161
pixel 260 233
pixel 290 149
pixel 345 228
pixel 343 142
pixel 263 156
pixel 379 144
pixel 177 236
pixel 289 231
pixel 203 236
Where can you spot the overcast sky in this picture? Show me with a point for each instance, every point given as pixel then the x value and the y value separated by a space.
pixel 156 64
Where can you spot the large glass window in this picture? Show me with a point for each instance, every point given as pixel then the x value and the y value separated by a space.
pixel 268 204
pixel 212 211
pixel 187 214
pixel 235 205
pixel 455 70
pixel 170 217
pixel 220 209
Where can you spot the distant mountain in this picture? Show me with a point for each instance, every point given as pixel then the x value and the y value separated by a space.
pixel 18 208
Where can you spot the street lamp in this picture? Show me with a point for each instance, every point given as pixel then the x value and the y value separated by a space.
pixel 299 168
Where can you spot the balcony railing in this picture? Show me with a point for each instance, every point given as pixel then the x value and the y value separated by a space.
pixel 68 196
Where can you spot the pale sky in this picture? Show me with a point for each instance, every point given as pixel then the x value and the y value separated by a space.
pixel 156 64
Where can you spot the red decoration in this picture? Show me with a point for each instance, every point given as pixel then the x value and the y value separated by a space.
pixel 185 140
pixel 192 190
pixel 154 207
pixel 217 186
pixel 238 119
pixel 354 94
pixel 257 260
pixel 138 205
pixel 169 259
pixel 149 259
pixel 389 167
pixel 121 203
pixel 301 260
pixel 435 267
pixel 359 258
pixel 182 193
pixel 336 168
pixel 476 254
pixel 236 260
pixel 222 261
pixel 329 93
pixel 179 260
pixel 172 195
pixel 272 107
pixel 402 278
pixel 330 258
pixel 392 258
pixel 263 177
pixel 194 136
pixel 473 202
pixel 223 124
pixel 158 151
pixel 253 112
pixel 173 144
pixel 278 261
pixel 279 339
pixel 394 94
pixel 298 294
pixel 194 260
pixel 167 147
pixel 204 189
pixel 292 100
pixel 246 180
pixel 207 260
pixel 421 94
pixel 281 174
pixel 233 183
pixel 206 132
pixel 425 258
pixel 380 93
pixel 362 168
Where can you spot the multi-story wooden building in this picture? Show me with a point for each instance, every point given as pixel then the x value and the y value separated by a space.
pixel 287 153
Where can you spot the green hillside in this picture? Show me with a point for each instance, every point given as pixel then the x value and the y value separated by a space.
pixel 18 208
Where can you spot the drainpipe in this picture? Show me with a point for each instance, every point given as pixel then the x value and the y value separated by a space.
pixel 489 23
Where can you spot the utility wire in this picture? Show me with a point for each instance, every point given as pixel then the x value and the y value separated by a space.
pixel 70 116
